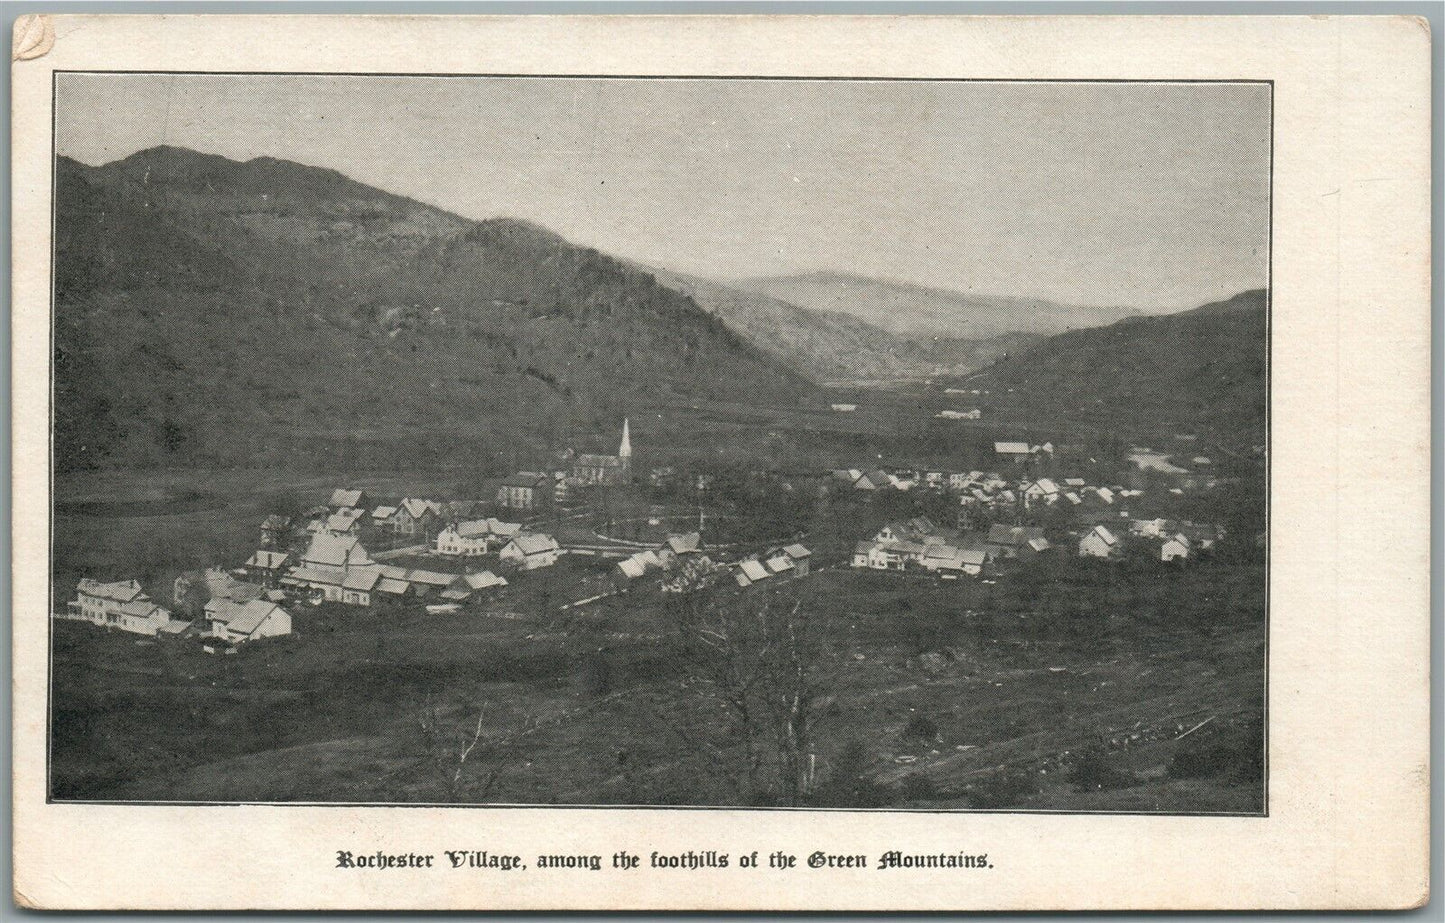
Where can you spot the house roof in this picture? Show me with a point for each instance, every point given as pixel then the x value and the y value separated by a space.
pixel 780 563
pixel 393 585
pixel 431 577
pixel 141 608
pixel 363 580
pixel 383 512
pixel 503 528
pixel 1011 448
pixel 1075 482
pixel 796 551
pixel 753 570
pixel 1103 533
pixel 1046 485
pixel 863 547
pixel 529 543
pixel 335 551
pixel 242 618
pixel 418 508
pixel 121 591
pixel 472 528
pixel 343 521
pixel 648 558
pixel 631 568
pixel 268 560
pixel 317 574
pixel 1039 544
pixel 342 496
pixel 483 580
pixel 683 544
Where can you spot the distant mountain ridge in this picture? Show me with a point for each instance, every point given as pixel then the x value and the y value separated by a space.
pixel 917 310
pixel 1202 370
pixel 209 310
pixel 835 346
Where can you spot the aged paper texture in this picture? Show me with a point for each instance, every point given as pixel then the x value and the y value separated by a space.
pixel 721 463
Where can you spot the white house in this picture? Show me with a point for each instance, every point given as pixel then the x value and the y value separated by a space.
pixel 679 546
pixel 1017 452
pixel 239 622
pixel 345 499
pixel 469 539
pixel 343 522
pixel 800 557
pixel 343 551
pixel 384 518
pixel 530 550
pixel 1041 491
pixel 969 561
pixel 750 572
pixel 1175 547
pixel 121 605
pixel 781 565
pixel 1100 543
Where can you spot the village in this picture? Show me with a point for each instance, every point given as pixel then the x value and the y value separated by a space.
pixel 446 556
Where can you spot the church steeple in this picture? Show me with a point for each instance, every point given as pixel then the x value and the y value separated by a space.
pixel 625 450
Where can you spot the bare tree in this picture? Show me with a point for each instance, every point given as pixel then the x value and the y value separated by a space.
pixel 756 657
pixel 468 758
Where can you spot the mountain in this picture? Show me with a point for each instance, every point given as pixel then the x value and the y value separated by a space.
pixel 834 346
pixel 1202 370
pixel 915 310
pixel 219 312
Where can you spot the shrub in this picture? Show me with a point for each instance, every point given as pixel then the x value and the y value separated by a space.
pixel 1234 752
pixel 1004 789
pixel 1091 771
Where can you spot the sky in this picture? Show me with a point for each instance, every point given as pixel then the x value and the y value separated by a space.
pixel 1150 196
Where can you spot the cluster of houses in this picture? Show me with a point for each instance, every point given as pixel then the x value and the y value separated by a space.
pixel 235 611
pixel 775 564
pixel 950 553
pixel 683 565
pixel 533 490
pixel 335 565
pixel 919 544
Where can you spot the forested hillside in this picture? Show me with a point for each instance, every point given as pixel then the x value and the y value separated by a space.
pixel 217 312
pixel 1202 369
pixel 836 346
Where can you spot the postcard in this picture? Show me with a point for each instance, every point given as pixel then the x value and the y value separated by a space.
pixel 721 463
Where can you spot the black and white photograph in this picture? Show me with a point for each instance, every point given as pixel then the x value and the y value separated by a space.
pixel 749 442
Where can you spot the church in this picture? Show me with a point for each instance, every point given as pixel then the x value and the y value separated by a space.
pixel 606 470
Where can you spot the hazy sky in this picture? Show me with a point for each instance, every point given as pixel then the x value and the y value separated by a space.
pixel 1151 196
